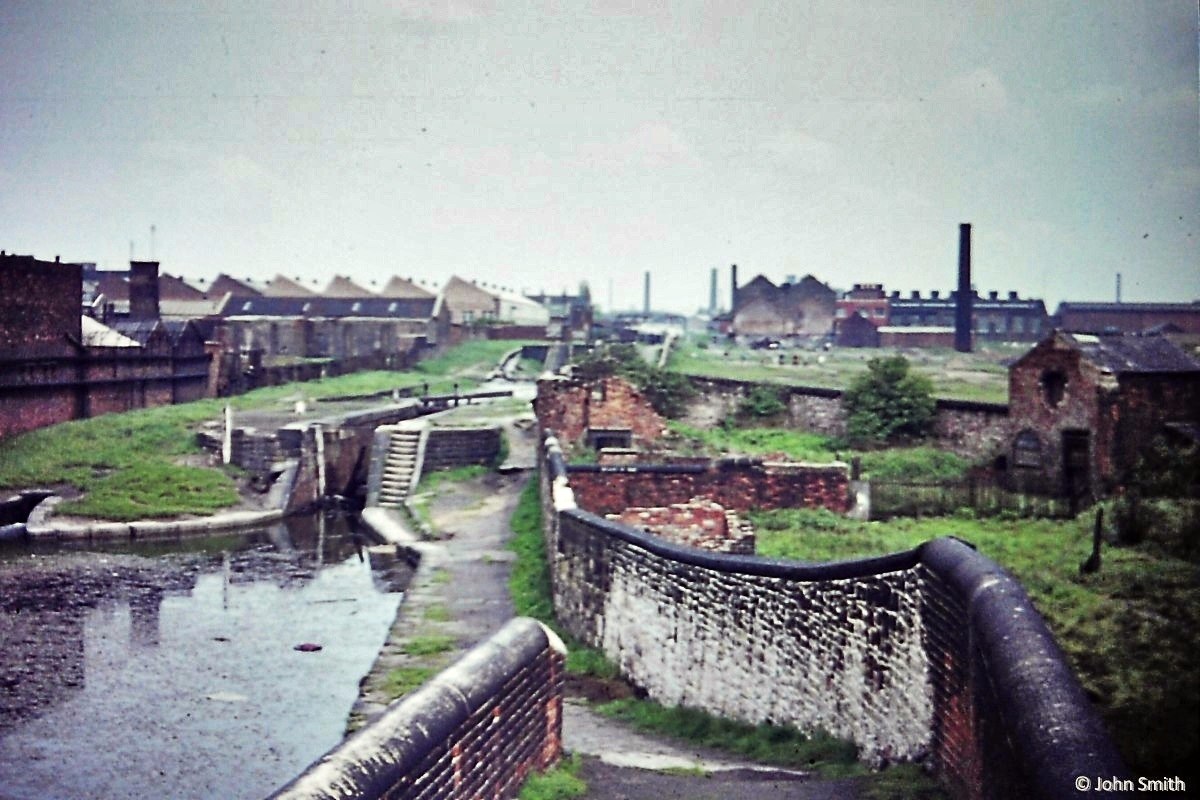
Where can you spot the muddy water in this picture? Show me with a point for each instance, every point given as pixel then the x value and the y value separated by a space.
pixel 170 670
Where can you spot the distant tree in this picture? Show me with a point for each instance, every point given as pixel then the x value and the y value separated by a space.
pixel 888 402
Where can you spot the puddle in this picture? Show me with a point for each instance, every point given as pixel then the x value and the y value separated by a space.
pixel 171 669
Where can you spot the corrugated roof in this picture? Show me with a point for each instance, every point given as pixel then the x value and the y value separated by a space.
pixel 1130 354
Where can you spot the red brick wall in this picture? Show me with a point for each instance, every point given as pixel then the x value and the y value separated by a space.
pixel 698 523
pixel 39 307
pixel 570 408
pixel 739 487
pixel 1079 408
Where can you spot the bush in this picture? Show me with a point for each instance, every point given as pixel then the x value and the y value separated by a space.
pixel 888 402
pixel 763 401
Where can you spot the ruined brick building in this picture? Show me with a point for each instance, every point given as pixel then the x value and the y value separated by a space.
pixel 1081 407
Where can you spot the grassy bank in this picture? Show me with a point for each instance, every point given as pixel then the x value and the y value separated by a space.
pixel 962 376
pixel 134 465
pixel 1131 631
pixel 911 464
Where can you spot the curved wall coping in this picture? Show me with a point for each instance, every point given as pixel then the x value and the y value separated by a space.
pixel 376 758
pixel 1054 730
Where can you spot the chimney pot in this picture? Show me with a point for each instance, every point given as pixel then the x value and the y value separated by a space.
pixel 1012 295
pixel 916 295
pixel 934 294
pixel 993 295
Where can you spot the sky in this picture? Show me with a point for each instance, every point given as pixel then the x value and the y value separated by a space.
pixel 538 145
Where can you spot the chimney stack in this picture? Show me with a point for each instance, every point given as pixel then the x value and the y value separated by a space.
pixel 1118 287
pixel 963 301
pixel 712 293
pixel 646 295
pixel 143 290
pixel 733 288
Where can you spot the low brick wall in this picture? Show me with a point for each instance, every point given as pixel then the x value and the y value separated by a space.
pixel 933 653
pixel 739 484
pixel 475 730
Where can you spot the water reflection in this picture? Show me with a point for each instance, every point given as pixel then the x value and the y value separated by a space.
pixel 167 669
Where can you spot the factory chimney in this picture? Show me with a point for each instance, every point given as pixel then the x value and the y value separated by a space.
pixel 733 288
pixel 646 295
pixel 1118 287
pixel 712 293
pixel 962 303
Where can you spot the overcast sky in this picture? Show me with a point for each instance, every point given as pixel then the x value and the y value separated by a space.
pixel 538 145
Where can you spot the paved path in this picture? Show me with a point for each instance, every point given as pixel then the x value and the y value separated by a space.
pixel 466 573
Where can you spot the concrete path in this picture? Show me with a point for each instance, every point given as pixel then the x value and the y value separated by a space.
pixel 465 572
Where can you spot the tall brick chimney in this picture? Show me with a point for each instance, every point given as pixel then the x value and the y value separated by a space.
pixel 712 292
pixel 646 295
pixel 143 290
pixel 733 288
pixel 962 300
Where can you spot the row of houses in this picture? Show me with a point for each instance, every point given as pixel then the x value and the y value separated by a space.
pixel 869 316
pixel 76 341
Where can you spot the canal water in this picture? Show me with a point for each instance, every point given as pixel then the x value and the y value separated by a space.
pixel 185 669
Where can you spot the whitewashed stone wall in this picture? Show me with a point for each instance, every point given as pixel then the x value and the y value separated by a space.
pixel 751 639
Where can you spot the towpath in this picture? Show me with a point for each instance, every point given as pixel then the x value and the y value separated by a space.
pixel 460 594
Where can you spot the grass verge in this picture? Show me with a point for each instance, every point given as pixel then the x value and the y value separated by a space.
pixel 129 465
pixel 1131 631
pixel 559 783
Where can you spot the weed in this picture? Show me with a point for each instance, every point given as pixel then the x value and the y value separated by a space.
pixel 428 645
pixel 907 781
pixel 773 744
pixel 437 613
pixel 1131 631
pixel 402 680
pixel 558 783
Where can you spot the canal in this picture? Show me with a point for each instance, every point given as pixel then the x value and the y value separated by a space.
pixel 213 667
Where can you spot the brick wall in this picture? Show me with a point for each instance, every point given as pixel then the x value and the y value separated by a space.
pixel 572 408
pixel 39 307
pixel 477 729
pixel 935 652
pixel 737 484
pixel 698 523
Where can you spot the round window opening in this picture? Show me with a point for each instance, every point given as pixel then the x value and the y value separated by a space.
pixel 1054 386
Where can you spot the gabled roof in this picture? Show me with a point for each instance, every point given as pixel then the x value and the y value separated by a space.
pixel 224 284
pixel 280 286
pixel 172 288
pixel 141 331
pixel 341 286
pixel 402 287
pixel 96 334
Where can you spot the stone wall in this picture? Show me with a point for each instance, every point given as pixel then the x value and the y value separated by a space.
pixel 477 729
pixel 934 653
pixel 459 447
pixel 739 484
pixel 974 430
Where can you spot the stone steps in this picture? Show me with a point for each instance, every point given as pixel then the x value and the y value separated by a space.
pixel 399 468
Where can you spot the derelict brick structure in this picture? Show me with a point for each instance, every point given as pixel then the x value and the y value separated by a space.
pixel 477 729
pixel 935 652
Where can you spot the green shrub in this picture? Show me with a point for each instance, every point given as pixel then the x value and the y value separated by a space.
pixel 559 783
pixel 763 401
pixel 888 402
